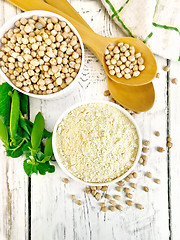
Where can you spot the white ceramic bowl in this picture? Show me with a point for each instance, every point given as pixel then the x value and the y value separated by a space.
pixel 10 24
pixel 71 175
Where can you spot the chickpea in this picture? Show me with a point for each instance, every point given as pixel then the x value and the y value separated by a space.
pixel 38 59
pixel 123 56
pixel 69 80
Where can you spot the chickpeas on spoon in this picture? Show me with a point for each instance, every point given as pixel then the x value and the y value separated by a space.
pixel 95 42
pixel 137 98
pixel 99 46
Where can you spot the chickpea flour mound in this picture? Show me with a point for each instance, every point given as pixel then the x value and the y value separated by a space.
pixel 96 142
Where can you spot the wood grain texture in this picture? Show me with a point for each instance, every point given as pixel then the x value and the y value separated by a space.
pixel 66 220
pixel 13 180
pixel 53 216
pixel 174 153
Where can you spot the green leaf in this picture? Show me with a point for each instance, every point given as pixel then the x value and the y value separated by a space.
pixel 5 102
pixel 29 168
pixel 40 155
pixel 24 101
pixel 46 159
pixel 8 152
pixel 16 150
pixel 3 133
pixel 37 131
pixel 42 168
pixel 14 153
pixel 51 169
pixel 21 133
pixel 48 151
pixel 17 153
pixel 24 125
pixel 46 134
pixel 26 149
pixel 45 167
pixel 29 125
pixel 17 140
pixel 14 114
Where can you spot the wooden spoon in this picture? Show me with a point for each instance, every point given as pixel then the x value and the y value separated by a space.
pixel 136 98
pixel 95 42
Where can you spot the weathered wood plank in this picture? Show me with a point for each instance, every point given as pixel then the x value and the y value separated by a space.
pixel 13 183
pixel 13 198
pixel 174 165
pixel 54 216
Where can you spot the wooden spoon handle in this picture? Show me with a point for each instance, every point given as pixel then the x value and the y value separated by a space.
pixel 65 7
pixel 96 43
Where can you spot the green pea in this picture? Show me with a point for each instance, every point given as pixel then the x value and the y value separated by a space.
pixel 3 132
pixel 37 131
pixel 48 151
pixel 14 114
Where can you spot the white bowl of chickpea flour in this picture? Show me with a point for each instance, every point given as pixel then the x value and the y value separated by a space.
pixel 42 56
pixel 97 143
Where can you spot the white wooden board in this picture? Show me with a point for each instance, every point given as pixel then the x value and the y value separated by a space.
pixel 52 214
pixel 13 180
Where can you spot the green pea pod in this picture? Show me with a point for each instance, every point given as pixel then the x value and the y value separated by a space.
pixel 14 115
pixel 3 132
pixel 24 101
pixel 48 151
pixel 47 134
pixel 37 131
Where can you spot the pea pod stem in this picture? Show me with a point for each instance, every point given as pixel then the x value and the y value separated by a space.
pixel 23 140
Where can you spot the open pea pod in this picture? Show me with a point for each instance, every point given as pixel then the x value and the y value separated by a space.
pixel 3 133
pixel 14 114
pixel 37 131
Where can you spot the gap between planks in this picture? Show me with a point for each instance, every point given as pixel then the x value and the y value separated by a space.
pixel 168 153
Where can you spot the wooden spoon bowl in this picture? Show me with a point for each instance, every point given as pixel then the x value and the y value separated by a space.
pixel 136 98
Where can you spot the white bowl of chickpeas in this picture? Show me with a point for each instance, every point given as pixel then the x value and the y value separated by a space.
pixel 41 54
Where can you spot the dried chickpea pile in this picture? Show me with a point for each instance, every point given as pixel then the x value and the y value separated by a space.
pixel 124 193
pixel 123 61
pixel 40 55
